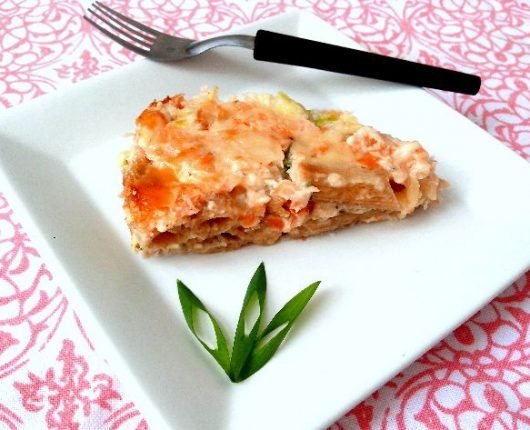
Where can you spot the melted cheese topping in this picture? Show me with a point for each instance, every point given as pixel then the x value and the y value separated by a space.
pixel 217 146
pixel 402 159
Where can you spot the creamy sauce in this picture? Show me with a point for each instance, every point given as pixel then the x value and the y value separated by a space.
pixel 402 159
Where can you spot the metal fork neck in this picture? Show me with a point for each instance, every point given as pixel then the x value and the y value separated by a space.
pixel 240 40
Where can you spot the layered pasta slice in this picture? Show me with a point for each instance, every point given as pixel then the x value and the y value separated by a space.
pixel 205 175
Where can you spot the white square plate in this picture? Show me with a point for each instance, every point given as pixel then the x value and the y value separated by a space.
pixel 388 292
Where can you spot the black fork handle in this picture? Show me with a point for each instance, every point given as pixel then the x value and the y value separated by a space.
pixel 284 49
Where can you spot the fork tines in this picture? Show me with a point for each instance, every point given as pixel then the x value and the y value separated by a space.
pixel 127 32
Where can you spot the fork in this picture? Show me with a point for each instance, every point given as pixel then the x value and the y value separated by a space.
pixel 279 48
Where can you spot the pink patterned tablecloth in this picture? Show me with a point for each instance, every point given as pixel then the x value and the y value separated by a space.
pixel 51 376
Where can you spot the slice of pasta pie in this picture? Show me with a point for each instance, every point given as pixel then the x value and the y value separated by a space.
pixel 205 175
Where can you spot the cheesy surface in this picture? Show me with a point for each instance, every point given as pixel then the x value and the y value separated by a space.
pixel 260 162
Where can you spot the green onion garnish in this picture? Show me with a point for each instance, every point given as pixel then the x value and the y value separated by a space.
pixel 252 348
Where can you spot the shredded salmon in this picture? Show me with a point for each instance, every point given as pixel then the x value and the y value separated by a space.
pixel 369 160
pixel 152 119
pixel 275 222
